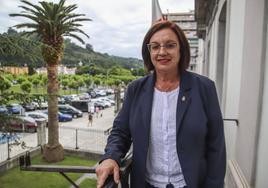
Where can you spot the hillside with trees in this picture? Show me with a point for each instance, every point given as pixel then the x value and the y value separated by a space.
pixel 73 54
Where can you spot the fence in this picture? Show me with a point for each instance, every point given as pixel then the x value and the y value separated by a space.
pixel 89 139
pixel 84 138
pixel 11 147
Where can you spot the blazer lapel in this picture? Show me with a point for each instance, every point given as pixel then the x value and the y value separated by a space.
pixel 184 98
pixel 147 102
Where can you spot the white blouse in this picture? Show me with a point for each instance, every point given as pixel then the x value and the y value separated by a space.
pixel 163 165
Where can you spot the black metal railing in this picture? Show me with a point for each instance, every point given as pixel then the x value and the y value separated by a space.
pixel 25 165
pixel 234 120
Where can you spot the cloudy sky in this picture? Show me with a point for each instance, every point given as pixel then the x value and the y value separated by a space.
pixel 118 26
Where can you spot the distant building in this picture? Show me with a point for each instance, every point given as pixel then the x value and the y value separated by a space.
pixel 42 70
pixel 61 70
pixel 15 70
pixel 187 23
pixel 65 70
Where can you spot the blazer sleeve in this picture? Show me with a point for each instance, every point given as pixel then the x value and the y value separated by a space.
pixel 119 140
pixel 215 143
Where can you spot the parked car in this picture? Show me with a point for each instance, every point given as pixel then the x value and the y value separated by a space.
pixel 15 108
pixel 109 91
pixel 3 109
pixel 92 94
pixel 84 96
pixel 100 93
pixel 23 123
pixel 106 101
pixel 41 105
pixel 29 106
pixel 99 103
pixel 61 100
pixel 81 105
pixel 38 116
pixel 62 117
pixel 67 99
pixel 111 101
pixel 74 97
pixel 67 109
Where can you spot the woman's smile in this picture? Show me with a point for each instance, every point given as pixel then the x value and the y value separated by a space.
pixel 163 61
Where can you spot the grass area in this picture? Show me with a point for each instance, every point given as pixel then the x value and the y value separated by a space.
pixel 15 178
pixel 88 183
pixel 42 90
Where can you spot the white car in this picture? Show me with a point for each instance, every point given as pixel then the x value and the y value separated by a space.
pixel 106 101
pixel 84 96
pixel 42 105
pixel 38 116
pixel 100 93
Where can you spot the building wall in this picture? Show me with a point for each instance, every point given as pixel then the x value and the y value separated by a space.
pixel 15 70
pixel 250 89
pixel 234 61
pixel 262 153
pixel 244 83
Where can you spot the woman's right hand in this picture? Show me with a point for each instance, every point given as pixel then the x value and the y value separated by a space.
pixel 106 168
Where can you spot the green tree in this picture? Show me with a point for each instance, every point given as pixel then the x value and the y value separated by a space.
pixel 80 82
pixel 119 71
pixel 5 84
pixel 88 81
pixel 26 87
pixel 51 22
pixel 82 70
pixel 21 79
pixel 97 81
pixel 64 82
pixel 36 83
pixel 138 72
pixel 73 85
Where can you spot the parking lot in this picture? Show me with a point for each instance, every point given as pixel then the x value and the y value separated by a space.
pixel 102 122
pixel 76 134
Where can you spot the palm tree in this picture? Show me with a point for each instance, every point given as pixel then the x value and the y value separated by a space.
pixel 51 22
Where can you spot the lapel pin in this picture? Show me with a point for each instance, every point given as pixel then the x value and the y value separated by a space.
pixel 183 98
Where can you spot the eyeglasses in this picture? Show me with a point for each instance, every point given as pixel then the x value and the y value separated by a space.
pixel 154 48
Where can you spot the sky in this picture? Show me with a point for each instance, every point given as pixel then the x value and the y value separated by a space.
pixel 118 26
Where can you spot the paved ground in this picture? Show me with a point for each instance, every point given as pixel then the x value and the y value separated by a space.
pixel 102 122
pixel 73 134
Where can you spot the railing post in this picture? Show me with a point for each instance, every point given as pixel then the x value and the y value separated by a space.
pixel 41 133
pixel 8 145
pixel 76 139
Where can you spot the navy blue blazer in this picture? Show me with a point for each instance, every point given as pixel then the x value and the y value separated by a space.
pixel 200 135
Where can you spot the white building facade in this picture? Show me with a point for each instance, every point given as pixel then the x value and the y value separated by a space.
pixel 235 55
pixel 61 70
pixel 187 23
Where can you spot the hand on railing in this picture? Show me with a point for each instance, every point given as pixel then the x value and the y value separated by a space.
pixel 106 168
pixel 124 172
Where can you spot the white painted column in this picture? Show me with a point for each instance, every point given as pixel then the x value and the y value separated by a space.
pixel 262 155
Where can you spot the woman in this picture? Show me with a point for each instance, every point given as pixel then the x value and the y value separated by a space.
pixel 173 119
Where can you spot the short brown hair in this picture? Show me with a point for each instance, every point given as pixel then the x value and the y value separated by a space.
pixel 184 45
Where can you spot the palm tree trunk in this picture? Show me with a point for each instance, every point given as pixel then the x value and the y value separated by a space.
pixel 53 150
